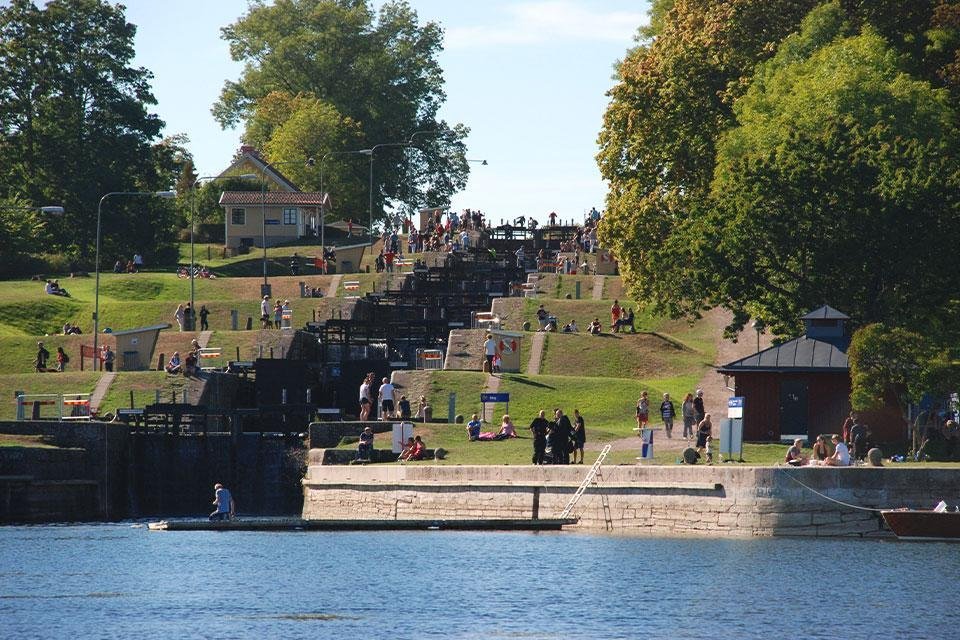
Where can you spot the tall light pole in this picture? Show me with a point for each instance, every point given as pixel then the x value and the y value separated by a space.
pixel 193 223
pixel 263 212
pixel 96 264
pixel 360 152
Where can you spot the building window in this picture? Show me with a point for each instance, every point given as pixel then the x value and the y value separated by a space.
pixel 290 216
pixel 238 216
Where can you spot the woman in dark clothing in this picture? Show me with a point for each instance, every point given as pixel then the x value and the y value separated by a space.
pixel 579 436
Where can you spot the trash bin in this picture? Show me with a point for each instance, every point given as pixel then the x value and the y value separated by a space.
pixel 428 413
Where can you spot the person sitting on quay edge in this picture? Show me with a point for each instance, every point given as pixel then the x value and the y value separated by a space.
pixel 473 428
pixel 841 455
pixel 795 457
pixel 175 366
pixel 820 452
pixel 365 447
pixel 226 508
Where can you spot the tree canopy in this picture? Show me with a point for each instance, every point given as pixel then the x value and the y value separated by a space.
pixel 75 125
pixel 769 157
pixel 333 75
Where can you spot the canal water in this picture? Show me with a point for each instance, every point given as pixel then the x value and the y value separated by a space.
pixel 122 581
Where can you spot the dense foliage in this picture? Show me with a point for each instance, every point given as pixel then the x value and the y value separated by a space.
pixel 333 75
pixel 75 125
pixel 771 156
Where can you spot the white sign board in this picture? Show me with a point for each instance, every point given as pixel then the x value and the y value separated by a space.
pixel 401 432
pixel 735 407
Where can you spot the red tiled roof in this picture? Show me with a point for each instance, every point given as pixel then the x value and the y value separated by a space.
pixel 250 198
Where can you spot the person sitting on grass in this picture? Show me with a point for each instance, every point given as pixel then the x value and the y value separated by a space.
pixel 571 327
pixel 625 322
pixel 595 327
pixel 406 450
pixel 418 449
pixel 820 452
pixel 795 457
pixel 841 455
pixel 175 366
pixel 473 428
pixel 507 429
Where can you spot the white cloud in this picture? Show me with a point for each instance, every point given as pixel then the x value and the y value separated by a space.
pixel 547 21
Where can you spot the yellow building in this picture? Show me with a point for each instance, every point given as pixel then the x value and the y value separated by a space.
pixel 276 214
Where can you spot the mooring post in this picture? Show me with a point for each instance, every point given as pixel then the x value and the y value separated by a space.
pixel 452 407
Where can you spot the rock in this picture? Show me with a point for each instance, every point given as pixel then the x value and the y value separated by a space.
pixel 458 418
pixel 526 326
pixel 875 457
pixel 690 455
pixel 440 453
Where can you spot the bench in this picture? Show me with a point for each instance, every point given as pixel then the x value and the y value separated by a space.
pixel 351 285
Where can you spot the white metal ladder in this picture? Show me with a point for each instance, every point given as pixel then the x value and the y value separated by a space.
pixel 586 482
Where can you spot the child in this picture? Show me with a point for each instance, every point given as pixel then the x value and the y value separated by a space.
pixel 404 408
pixel 709 450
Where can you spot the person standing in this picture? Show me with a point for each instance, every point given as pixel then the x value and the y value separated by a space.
pixel 278 315
pixel 62 359
pixel 689 411
pixel 561 438
pixel 704 431
pixel 40 362
pixel 489 351
pixel 386 399
pixel 180 316
pixel 223 501
pixel 858 438
pixel 667 412
pixel 698 410
pixel 615 311
pixel 204 326
pixel 265 312
pixel 643 413
pixel 189 317
pixel 539 428
pixel 579 436
pixel 107 356
pixel 366 397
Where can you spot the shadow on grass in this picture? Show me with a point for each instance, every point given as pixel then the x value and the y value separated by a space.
pixel 528 382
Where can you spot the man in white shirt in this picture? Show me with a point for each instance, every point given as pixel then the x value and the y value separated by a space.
pixel 490 350
pixel 841 455
pixel 265 312
pixel 386 399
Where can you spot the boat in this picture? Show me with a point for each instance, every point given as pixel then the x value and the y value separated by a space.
pixel 923 524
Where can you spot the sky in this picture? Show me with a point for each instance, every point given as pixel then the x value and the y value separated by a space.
pixel 528 77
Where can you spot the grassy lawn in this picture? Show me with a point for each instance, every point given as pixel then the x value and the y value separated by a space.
pixel 144 385
pixel 39 383
pixel 621 355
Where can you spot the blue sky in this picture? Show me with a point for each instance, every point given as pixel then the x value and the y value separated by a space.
pixel 528 77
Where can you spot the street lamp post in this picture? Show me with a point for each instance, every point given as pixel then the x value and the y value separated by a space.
pixel 362 152
pixel 96 264
pixel 193 224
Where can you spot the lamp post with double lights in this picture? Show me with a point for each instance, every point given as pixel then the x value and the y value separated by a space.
pixel 193 223
pixel 96 265
pixel 408 143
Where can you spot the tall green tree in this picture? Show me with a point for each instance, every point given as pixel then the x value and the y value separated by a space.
pixel 670 218
pixel 357 78
pixel 75 124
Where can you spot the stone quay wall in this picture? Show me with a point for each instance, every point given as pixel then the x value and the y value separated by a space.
pixel 655 500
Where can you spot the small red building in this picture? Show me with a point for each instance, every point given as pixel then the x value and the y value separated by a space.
pixel 801 388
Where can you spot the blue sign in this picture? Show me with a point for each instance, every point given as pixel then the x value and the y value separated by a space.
pixel 494 397
pixel 735 402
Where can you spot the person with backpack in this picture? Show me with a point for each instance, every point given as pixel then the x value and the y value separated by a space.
pixel 62 359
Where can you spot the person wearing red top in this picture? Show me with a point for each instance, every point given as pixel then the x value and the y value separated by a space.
pixel 615 312
pixel 388 260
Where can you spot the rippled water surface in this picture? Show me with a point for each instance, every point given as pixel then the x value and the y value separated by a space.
pixel 122 581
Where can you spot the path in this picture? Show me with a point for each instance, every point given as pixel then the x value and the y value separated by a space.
pixel 598 287
pixel 334 285
pixel 204 338
pixel 100 392
pixel 536 353
pixel 493 385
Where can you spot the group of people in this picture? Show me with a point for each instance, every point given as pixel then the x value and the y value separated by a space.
pixel 475 433
pixel 188 366
pixel 555 441
pixel 43 356
pixel 849 446
pixel 696 421
pixel 271 317
pixel 133 265
pixel 621 318
pixel 186 317
pixel 53 288
pixel 386 401
pixel 412 449
pixel 70 329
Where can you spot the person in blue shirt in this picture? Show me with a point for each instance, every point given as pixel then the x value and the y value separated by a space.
pixel 225 507
pixel 473 428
